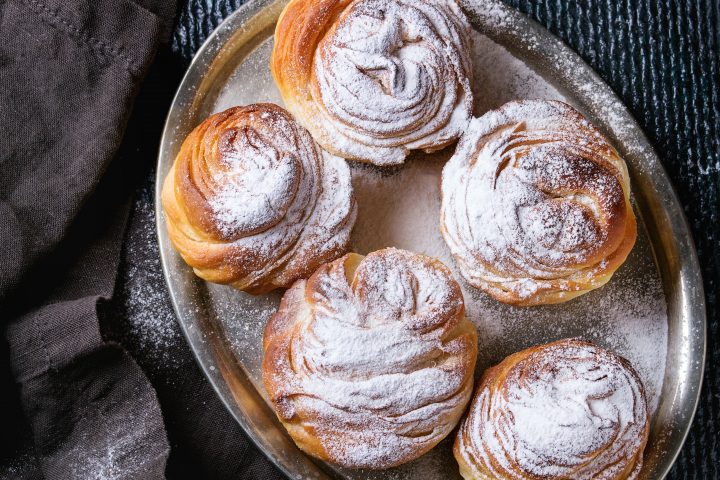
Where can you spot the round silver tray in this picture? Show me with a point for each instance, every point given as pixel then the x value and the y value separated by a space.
pixel 652 311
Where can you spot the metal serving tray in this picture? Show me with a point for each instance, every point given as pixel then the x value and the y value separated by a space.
pixel 651 312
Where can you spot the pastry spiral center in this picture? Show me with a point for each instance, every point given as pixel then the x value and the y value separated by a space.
pixel 387 326
pixel 388 66
pixel 541 201
pixel 257 184
pixel 565 412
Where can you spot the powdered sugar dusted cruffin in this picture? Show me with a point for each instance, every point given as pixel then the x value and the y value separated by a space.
pixel 253 202
pixel 369 363
pixel 568 409
pixel 373 79
pixel 536 204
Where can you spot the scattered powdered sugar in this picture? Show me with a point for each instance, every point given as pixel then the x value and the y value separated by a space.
pixel 19 467
pixel 112 453
pixel 498 77
pixel 244 317
pixel 147 308
pixel 250 83
pixel 110 462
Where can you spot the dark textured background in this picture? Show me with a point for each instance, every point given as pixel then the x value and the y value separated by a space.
pixel 661 57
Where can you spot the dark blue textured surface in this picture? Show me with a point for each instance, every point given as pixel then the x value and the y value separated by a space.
pixel 661 57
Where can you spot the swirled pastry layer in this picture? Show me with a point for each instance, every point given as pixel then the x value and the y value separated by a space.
pixel 369 363
pixel 566 410
pixel 373 79
pixel 253 202
pixel 536 204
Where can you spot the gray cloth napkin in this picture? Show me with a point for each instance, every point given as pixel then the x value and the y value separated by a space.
pixel 69 74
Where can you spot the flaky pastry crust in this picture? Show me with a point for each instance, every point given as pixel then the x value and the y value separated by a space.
pixel 565 410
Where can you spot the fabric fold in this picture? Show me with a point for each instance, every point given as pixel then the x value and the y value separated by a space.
pixel 70 72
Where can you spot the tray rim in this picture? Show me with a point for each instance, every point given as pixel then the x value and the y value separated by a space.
pixel 650 174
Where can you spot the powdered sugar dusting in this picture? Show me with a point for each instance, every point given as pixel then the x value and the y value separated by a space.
pixel 244 317
pixel 534 194
pixel 146 308
pixel 256 188
pixel 498 77
pixel 111 453
pixel 279 204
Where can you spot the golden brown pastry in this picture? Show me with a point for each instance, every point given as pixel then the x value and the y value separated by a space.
pixel 253 202
pixel 369 363
pixel 536 204
pixel 373 79
pixel 565 410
